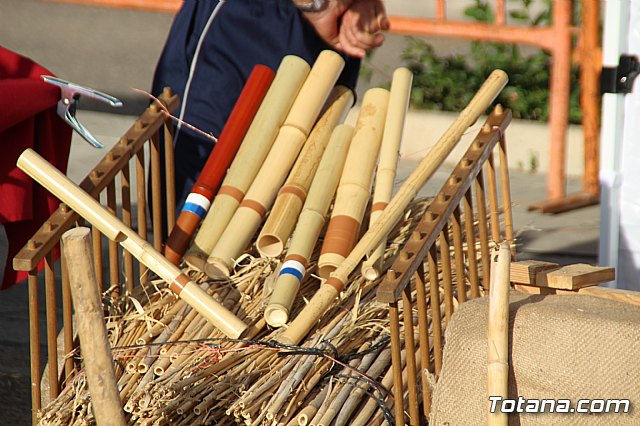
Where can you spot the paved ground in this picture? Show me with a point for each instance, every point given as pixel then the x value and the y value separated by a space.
pixel 114 50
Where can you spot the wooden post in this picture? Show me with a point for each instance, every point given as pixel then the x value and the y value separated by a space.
pixel 559 89
pixel 96 351
pixel 498 331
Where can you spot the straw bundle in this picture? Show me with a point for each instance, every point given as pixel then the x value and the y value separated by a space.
pixel 174 367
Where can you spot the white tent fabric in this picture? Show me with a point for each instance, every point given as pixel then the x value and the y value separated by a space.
pixel 629 239
pixel 620 152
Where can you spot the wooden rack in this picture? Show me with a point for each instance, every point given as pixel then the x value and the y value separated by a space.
pixel 443 230
pixel 127 153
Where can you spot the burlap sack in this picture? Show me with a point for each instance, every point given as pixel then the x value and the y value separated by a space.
pixel 563 347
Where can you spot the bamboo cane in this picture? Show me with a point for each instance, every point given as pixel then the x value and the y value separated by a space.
pixel 498 331
pixel 107 405
pixel 386 172
pixel 338 402
pixel 310 410
pixel 87 207
pixel 289 78
pixel 354 188
pixel 262 193
pixel 327 293
pixel 292 195
pixel 198 201
pixel 308 228
pixel 350 405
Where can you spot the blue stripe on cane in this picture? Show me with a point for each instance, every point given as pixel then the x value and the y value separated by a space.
pixel 292 271
pixel 194 208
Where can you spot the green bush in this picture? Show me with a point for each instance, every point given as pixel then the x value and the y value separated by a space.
pixel 448 82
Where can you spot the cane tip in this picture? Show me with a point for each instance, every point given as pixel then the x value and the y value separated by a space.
pixel 276 316
pixel 217 269
pixel 196 260
pixel 370 272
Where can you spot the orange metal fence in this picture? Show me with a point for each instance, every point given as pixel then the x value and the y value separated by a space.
pixel 556 38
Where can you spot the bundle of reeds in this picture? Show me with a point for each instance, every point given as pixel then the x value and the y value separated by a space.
pixel 174 367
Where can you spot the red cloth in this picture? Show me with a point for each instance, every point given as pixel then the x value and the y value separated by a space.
pixel 28 119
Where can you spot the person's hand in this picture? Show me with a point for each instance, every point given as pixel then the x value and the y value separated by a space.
pixel 327 22
pixel 361 27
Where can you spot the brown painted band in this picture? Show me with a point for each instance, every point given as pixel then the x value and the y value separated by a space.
pixel 335 283
pixel 379 206
pixel 295 190
pixel 231 192
pixel 255 206
pixel 179 283
pixel 341 236
pixel 297 258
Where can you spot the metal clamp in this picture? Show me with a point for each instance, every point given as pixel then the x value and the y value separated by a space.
pixel 619 79
pixel 67 105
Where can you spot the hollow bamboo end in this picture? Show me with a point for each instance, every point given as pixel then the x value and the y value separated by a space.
pixel 276 315
pixel 328 263
pixel 370 272
pixel 217 268
pixel 196 259
pixel 270 245
pixel 326 271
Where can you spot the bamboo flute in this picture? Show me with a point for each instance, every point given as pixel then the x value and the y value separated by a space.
pixel 199 200
pixel 498 332
pixel 386 173
pixel 92 211
pixel 309 226
pixel 101 378
pixel 327 293
pixel 354 188
pixel 286 209
pixel 262 193
pixel 260 136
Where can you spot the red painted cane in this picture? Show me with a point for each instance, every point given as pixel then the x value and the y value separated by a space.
pixel 198 201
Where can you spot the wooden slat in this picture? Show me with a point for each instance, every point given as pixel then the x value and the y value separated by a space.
pixel 552 275
pixel 526 271
pixel 572 277
pixel 624 296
